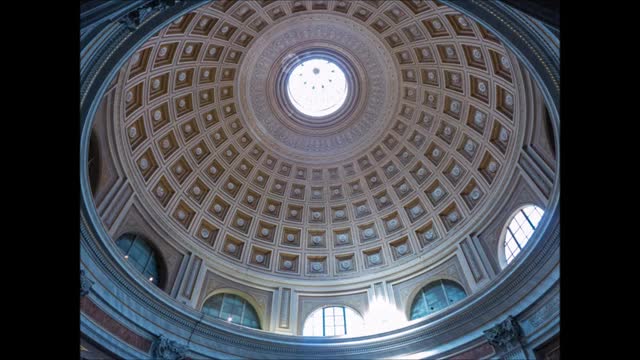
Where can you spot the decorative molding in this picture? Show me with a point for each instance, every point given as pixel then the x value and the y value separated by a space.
pixel 192 273
pixel 109 323
pixel 537 176
pixel 113 209
pixel 285 308
pixel 379 290
pixel 484 260
pixel 542 315
pixel 478 351
pixel 471 259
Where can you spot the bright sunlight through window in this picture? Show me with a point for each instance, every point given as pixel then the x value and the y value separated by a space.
pixel 317 87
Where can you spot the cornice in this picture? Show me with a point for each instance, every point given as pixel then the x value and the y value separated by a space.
pixel 510 289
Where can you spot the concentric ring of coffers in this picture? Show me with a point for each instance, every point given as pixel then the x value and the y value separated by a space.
pixel 371 76
pixel 225 189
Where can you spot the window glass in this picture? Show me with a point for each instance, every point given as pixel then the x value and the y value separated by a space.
pixel 333 321
pixel 520 229
pixel 435 297
pixel 213 305
pixel 232 308
pixel 454 293
pixel 140 255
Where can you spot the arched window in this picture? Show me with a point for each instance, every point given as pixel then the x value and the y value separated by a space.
pixel 435 297
pixel 232 308
pixel 521 227
pixel 333 321
pixel 140 254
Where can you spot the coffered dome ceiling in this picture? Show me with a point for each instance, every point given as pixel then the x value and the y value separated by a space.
pixel 410 163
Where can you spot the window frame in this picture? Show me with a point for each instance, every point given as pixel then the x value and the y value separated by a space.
pixel 506 230
pixel 323 310
pixel 247 301
pixel 419 295
pixel 153 253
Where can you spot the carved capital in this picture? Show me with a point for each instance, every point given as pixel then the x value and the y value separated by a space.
pixel 85 284
pixel 133 19
pixel 504 336
pixel 165 349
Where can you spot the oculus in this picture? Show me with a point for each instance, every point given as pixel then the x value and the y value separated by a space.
pixel 317 87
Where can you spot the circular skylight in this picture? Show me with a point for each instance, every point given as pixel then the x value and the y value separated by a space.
pixel 317 87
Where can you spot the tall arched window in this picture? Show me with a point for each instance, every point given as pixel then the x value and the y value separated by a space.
pixel 140 254
pixel 232 308
pixel 333 321
pixel 435 297
pixel 521 227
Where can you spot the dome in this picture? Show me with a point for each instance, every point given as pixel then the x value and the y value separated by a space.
pixel 234 155
pixel 296 156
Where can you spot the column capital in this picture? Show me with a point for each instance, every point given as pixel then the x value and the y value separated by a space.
pixel 166 349
pixel 505 335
